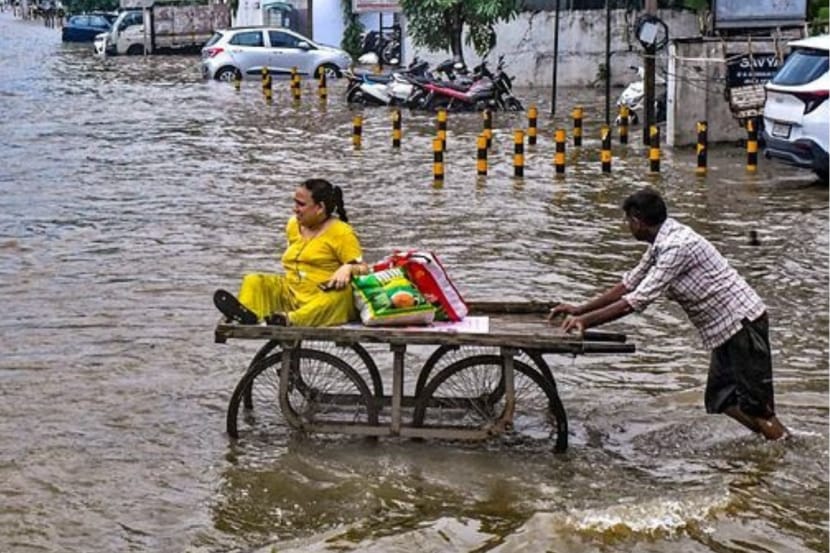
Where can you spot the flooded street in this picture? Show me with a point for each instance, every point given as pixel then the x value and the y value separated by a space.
pixel 130 190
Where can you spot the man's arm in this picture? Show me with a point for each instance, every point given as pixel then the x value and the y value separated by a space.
pixel 606 298
pixel 611 312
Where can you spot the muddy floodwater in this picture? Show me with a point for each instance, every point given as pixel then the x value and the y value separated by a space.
pixel 130 190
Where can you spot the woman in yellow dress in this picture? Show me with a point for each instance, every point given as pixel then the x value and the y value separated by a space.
pixel 322 255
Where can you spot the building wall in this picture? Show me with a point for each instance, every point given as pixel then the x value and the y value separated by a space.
pixel 527 45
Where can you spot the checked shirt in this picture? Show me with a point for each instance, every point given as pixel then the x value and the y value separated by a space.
pixel 689 270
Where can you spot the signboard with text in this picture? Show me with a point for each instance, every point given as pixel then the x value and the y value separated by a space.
pixel 365 6
pixel 756 68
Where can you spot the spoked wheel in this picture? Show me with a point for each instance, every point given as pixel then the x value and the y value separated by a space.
pixel 322 388
pixel 470 393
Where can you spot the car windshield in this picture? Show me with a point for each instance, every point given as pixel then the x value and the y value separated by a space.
pixel 801 67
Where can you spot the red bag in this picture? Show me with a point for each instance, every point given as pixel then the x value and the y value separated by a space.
pixel 425 271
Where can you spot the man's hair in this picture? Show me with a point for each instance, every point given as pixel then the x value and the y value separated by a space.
pixel 646 205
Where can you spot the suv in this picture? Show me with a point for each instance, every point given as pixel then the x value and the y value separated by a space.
pixel 249 49
pixel 796 111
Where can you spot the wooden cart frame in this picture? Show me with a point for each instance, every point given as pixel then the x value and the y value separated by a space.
pixel 474 386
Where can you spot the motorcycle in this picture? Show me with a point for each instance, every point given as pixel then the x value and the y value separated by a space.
pixel 634 95
pixel 485 90
pixel 385 47
pixel 389 89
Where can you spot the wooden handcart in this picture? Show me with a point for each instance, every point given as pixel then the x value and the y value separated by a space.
pixel 477 383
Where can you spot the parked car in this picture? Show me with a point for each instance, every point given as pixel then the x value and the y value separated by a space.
pixel 84 27
pixel 797 110
pixel 249 49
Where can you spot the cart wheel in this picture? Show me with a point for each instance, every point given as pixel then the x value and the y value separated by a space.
pixel 470 393
pixel 254 405
pixel 357 358
pixel 322 388
pixel 261 354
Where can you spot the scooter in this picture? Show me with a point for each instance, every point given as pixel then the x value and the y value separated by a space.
pixel 633 96
pixel 389 89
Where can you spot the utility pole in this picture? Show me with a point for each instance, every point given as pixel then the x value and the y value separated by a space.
pixel 648 79
pixel 555 59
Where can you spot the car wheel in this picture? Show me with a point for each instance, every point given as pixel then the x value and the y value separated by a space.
pixel 225 74
pixel 332 71
pixel 135 50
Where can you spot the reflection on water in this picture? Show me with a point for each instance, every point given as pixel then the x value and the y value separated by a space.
pixel 130 190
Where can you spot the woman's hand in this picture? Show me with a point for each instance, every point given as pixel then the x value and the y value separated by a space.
pixel 341 277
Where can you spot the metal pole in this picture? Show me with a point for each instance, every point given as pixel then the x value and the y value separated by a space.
pixel 648 81
pixel 607 62
pixel 555 57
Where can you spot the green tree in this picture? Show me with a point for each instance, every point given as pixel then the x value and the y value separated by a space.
pixel 439 24
pixel 353 32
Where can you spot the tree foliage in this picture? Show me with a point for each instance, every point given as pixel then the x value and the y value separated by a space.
pixel 439 24
pixel 353 31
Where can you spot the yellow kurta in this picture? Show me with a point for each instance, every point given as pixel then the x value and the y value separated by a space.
pixel 307 262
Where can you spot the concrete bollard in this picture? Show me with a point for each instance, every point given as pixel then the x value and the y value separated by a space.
pixel 654 149
pixel 237 79
pixel 751 145
pixel 441 126
pixel 518 153
pixel 481 155
pixel 488 126
pixel 605 153
pixel 267 90
pixel 438 160
pixel 702 147
pixel 559 156
pixel 532 115
pixel 357 131
pixel 322 88
pixel 396 128
pixel 577 116
pixel 624 124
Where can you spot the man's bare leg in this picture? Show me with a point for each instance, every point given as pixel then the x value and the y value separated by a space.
pixel 771 428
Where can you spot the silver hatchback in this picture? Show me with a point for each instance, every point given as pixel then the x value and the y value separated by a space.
pixel 249 49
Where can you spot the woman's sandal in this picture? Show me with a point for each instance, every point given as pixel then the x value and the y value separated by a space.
pixel 232 309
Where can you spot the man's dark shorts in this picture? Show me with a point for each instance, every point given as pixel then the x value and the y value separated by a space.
pixel 740 372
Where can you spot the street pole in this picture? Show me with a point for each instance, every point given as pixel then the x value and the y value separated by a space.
pixel 648 79
pixel 555 57
pixel 607 62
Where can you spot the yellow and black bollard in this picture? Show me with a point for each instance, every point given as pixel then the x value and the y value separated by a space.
pixel 559 156
pixel 438 160
pixel 605 153
pixel 518 153
pixel 296 91
pixel 532 114
pixel 488 126
pixel 624 112
pixel 357 131
pixel 702 148
pixel 237 79
pixel 481 155
pixel 654 149
pixel 577 116
pixel 322 90
pixel 267 90
pixel 396 128
pixel 442 128
pixel 751 145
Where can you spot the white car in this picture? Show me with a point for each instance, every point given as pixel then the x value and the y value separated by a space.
pixel 797 110
pixel 249 49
